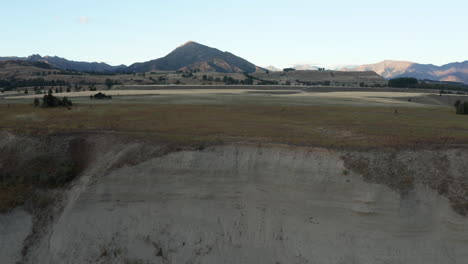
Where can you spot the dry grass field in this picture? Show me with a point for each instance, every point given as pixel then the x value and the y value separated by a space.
pixel 326 125
pixel 268 95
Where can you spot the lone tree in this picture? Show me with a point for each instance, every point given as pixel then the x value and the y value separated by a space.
pixel 109 83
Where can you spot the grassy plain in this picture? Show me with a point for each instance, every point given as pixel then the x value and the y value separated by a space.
pixel 317 125
pixel 253 96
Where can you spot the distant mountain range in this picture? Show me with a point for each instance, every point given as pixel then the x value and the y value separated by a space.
pixel 452 72
pixel 195 56
pixel 4 64
pixel 272 68
pixel 64 64
pixel 305 67
pixel 190 56
pixel 298 67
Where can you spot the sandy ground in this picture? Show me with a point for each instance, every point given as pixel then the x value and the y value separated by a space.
pixel 246 204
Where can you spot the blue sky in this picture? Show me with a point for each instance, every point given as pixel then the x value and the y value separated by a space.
pixel 280 33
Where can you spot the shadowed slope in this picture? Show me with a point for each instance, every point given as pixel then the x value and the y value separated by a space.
pixel 191 56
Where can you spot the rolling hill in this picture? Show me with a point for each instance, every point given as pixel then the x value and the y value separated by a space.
pixel 23 69
pixel 452 72
pixel 272 68
pixel 304 67
pixel 64 64
pixel 297 67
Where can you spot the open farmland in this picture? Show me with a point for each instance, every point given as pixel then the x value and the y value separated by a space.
pixel 257 95
pixel 360 119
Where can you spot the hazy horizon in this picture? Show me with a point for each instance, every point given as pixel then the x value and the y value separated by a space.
pixel 265 32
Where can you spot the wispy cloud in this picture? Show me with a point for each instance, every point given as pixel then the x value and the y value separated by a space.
pixel 84 20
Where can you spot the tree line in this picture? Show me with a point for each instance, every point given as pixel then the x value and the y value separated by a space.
pixel 15 83
pixel 426 84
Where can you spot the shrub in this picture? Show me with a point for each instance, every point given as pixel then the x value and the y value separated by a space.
pixel 101 96
pixel 187 75
pixel 461 107
pixel 229 80
pixel 51 101
pixel 109 83
pixel 248 81
pixel 66 102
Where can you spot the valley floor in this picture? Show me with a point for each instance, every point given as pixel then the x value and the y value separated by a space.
pixel 240 176
pixel 328 119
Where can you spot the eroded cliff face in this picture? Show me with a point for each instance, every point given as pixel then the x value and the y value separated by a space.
pixel 142 202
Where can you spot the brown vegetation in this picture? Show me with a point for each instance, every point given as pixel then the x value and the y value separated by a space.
pixel 335 126
pixel 30 164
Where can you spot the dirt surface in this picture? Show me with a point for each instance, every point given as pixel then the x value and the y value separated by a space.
pixel 140 201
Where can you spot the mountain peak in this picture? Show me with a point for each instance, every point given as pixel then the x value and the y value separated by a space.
pixel 389 69
pixel 196 56
pixel 35 57
pixel 189 43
